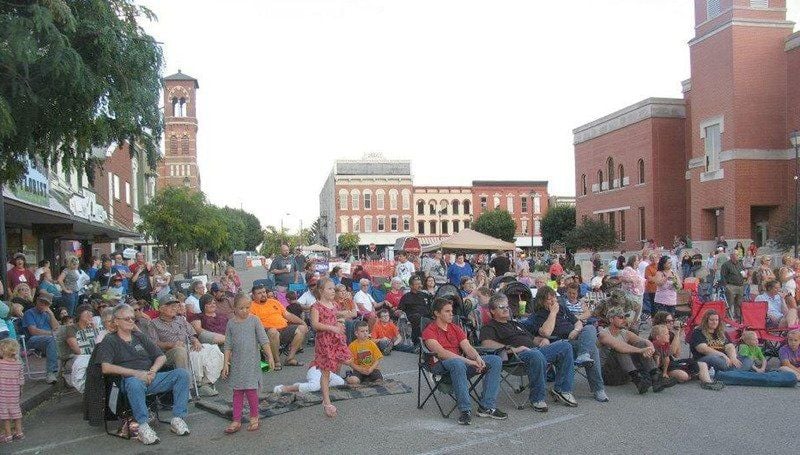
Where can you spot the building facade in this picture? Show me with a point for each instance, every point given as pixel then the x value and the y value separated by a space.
pixel 716 162
pixel 525 200
pixel 441 211
pixel 178 166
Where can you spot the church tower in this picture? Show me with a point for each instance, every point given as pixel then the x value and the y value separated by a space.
pixel 179 164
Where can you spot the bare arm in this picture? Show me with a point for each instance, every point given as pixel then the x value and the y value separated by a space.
pixel 292 318
pixel 620 346
pixel 72 342
pixel 549 324
pixel 197 325
pixel 318 326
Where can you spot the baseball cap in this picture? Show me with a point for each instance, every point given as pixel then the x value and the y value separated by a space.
pixel 45 296
pixel 168 300
pixel 214 287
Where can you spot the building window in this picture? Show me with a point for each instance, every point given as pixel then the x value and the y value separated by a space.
pixel 621 225
pixel 759 3
pixel 713 146
pixel 367 224
pixel 406 200
pixel 612 221
pixel 406 224
pixel 496 202
pixel 713 9
pixel 466 224
pixel 420 207
pixel 601 217
pixel 610 165
pixel 420 227
pixel 600 180
pixel 381 224
pixel 641 224
pixel 367 200
pixel 524 204
pixel 510 204
pixel 356 224
pixel 621 175
pixel 343 224
pixel 537 203
pixel 443 207
pixel 524 226
pixel 432 208
pixel 342 199
pixel 127 193
pixel 392 199
pixel 354 199
pixel 433 227
pixel 379 196
pixel 116 187
pixel 173 143
pixel 640 165
pixel 583 184
pixel 393 223
pixel 483 202
pixel 455 207
pixel 444 227
pixel 537 226
pixel 466 207
pixel 455 226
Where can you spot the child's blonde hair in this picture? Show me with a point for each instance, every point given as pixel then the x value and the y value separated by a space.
pixel 240 298
pixel 9 349
pixel 658 329
pixel 749 334
pixel 795 332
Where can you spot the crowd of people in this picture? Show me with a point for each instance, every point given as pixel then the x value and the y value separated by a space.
pixel 619 326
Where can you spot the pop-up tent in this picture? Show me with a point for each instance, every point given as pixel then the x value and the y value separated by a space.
pixel 469 241
pixel 317 248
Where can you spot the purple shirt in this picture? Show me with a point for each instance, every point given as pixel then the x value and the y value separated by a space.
pixel 786 354
pixel 217 324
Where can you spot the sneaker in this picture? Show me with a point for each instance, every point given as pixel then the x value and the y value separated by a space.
pixel 278 389
pixel 146 435
pixel 601 396
pixel 662 383
pixel 713 385
pixel 51 378
pixel 177 426
pixel 465 418
pixel 207 390
pixel 492 413
pixel 539 406
pixel 564 397
pixel 584 360
pixel 642 382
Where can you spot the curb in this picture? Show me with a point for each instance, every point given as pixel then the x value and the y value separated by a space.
pixel 32 402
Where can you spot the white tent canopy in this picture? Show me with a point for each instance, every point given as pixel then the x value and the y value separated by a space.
pixel 469 240
pixel 317 248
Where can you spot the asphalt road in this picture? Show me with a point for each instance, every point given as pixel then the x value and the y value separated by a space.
pixel 683 419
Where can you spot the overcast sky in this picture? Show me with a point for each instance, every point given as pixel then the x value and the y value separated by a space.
pixel 467 90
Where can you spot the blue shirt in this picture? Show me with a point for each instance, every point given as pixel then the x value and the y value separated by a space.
pixel 125 270
pixel 36 318
pixel 454 273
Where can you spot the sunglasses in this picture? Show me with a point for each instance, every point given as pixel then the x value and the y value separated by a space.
pixel 502 307
pixel 129 319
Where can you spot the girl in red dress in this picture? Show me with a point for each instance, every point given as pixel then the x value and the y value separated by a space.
pixel 330 348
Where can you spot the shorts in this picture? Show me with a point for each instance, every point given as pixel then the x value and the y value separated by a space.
pixel 287 334
pixel 372 377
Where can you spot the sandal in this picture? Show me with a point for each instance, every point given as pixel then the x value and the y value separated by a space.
pixel 233 427
pixel 6 438
pixel 330 410
pixel 294 362
pixel 277 367
pixel 254 424
pixel 18 436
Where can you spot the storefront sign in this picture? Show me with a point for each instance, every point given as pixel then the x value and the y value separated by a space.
pixel 86 207
pixel 34 186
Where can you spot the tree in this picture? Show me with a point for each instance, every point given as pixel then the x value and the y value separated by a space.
pixel 784 233
pixel 177 218
pixel 245 229
pixel 557 224
pixel 497 223
pixel 348 242
pixel 316 231
pixel 592 234
pixel 75 74
pixel 274 238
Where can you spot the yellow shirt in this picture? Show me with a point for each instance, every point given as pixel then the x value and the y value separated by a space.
pixel 365 353
pixel 270 314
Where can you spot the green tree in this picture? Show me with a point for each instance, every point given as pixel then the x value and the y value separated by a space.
pixel 245 229
pixel 75 74
pixel 178 219
pixel 557 224
pixel 274 238
pixel 316 232
pixel 497 223
pixel 783 237
pixel 348 242
pixel 592 234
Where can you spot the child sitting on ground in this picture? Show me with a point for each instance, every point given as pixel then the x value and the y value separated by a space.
pixel 750 353
pixel 385 332
pixel 366 357
pixel 789 354
pixel 663 350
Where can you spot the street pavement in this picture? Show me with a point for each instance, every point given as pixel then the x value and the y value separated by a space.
pixel 683 419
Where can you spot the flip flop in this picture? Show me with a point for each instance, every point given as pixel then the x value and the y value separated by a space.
pixel 254 425
pixel 329 410
pixel 293 363
pixel 277 367
pixel 233 428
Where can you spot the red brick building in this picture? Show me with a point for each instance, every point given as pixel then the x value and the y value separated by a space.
pixel 715 163
pixel 179 164
pixel 525 200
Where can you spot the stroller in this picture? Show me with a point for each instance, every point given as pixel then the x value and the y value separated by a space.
pixel 518 292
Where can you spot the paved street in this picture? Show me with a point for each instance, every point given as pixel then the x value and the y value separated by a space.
pixel 682 419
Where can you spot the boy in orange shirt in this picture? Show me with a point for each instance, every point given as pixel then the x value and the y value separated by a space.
pixel 366 357
pixel 385 333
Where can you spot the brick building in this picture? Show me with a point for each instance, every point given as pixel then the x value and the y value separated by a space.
pixel 525 200
pixel 441 211
pixel 716 162
pixel 179 164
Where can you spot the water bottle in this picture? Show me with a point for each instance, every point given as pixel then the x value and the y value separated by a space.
pixel 711 372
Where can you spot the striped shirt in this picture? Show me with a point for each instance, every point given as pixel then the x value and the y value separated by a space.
pixel 173 331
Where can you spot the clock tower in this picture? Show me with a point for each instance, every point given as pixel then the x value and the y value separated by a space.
pixel 179 164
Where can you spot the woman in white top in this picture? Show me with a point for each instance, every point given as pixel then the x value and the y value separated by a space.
pixel 786 275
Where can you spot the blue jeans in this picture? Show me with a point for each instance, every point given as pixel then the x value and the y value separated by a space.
pixel 46 344
pixel 586 342
pixel 647 302
pixel 716 362
pixel 70 301
pixel 560 355
pixel 459 372
pixel 176 380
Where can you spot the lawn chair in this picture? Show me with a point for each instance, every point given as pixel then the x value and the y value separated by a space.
pixel 699 308
pixel 754 317
pixel 515 376
pixel 118 408
pixel 25 355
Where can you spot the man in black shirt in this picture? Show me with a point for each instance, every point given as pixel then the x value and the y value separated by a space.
pixel 416 305
pixel 501 331
pixel 501 264
pixel 130 354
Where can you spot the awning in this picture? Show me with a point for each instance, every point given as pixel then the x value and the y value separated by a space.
pixel 469 240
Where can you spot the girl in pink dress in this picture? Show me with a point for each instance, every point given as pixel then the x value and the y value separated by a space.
pixel 330 348
pixel 11 381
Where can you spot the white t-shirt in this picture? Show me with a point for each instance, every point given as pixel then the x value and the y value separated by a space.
pixel 192 304
pixel 404 270
pixel 363 299
pixel 642 266
pixel 307 299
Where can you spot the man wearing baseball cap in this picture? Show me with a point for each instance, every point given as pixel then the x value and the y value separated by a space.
pixel 224 302
pixel 40 323
pixel 624 355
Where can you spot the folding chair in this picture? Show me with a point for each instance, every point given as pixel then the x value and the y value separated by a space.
pixel 439 382
pixel 516 369
pixel 754 317
pixel 699 308
pixel 25 355
pixel 118 408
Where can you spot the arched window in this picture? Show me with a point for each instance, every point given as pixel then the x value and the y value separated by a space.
pixel 610 163
pixel 367 201
pixel 354 196
pixel 185 143
pixel 537 203
pixel 393 200
pixel 583 184
pixel 173 143
pixel 343 199
pixel 640 165
pixel 420 207
pixel 443 205
pixel 432 225
pixel 379 197
pixel 431 207
pixel 621 175
pixel 496 202
pixel 600 180
pixel 406 199
pixel 456 226
pixel 466 207
pixel 178 107
pixel 455 208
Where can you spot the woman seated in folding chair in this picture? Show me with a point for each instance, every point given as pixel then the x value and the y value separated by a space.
pixel 456 357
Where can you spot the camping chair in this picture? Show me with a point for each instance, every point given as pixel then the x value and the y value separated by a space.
pixel 754 317
pixel 117 407
pixel 25 355
pixel 516 370
pixel 699 308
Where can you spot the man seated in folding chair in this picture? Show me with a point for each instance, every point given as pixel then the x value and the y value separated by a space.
pixel 778 312
pixel 40 324
pixel 502 332
pixel 129 354
pixel 456 357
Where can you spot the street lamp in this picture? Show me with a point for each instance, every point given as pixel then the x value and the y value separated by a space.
pixel 530 210
pixel 794 139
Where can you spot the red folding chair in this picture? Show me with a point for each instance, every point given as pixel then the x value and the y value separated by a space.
pixel 699 308
pixel 754 317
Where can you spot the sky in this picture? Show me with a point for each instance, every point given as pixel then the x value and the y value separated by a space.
pixel 465 89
